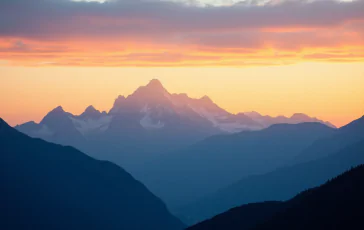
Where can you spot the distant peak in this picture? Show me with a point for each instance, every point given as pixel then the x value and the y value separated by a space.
pixel 91 112
pixel 90 109
pixel 54 115
pixel 153 89
pixel 206 98
pixel 155 84
pixel 58 109
pixel 300 116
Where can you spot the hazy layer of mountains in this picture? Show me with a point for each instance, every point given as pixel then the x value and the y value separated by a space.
pixel 285 182
pixel 193 172
pixel 161 121
pixel 198 158
pixel 337 204
pixel 48 186
pixel 225 171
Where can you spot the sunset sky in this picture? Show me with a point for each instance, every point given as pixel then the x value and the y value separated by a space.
pixel 271 56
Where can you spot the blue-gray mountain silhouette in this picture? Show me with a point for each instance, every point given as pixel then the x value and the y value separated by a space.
pixel 48 186
pixel 203 168
pixel 337 204
pixel 161 121
pixel 346 135
pixel 56 127
pixel 283 183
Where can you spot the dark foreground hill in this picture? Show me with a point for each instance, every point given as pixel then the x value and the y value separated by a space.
pixel 338 204
pixel 47 186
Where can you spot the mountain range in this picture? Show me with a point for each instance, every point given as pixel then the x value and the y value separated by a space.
pixel 200 169
pixel 48 186
pixel 162 121
pixel 335 205
pixel 337 154
pixel 198 158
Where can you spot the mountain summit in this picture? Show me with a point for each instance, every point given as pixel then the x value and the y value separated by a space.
pixel 91 113
pixel 151 115
pixel 155 85
pixel 153 88
pixel 90 109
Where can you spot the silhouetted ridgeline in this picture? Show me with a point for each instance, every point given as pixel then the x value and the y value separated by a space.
pixel 219 161
pixel 338 204
pixel 46 186
pixel 283 183
pixel 344 136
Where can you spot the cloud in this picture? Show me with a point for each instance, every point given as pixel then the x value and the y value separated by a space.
pixel 129 27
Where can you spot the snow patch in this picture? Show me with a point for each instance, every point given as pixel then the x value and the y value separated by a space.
pixel 219 121
pixel 88 125
pixel 147 122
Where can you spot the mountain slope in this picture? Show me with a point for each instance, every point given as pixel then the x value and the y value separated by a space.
pixel 244 217
pixel 47 186
pixel 346 135
pixel 334 205
pixel 280 184
pixel 337 204
pixel 186 175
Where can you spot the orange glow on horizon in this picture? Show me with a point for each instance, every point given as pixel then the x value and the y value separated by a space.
pixel 248 58
pixel 329 91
